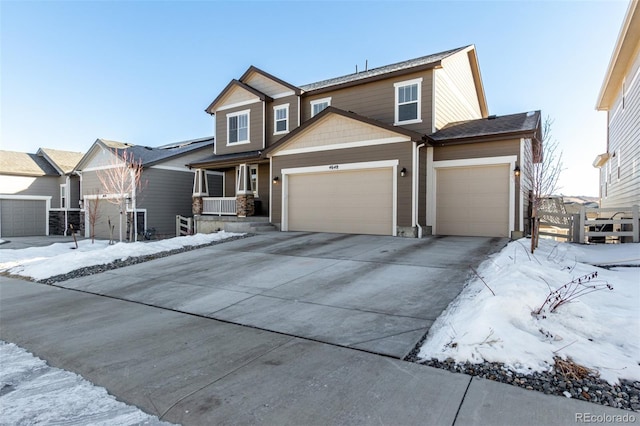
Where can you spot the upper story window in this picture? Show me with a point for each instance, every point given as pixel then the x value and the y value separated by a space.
pixel 238 127
pixel 318 105
pixel 281 119
pixel 408 101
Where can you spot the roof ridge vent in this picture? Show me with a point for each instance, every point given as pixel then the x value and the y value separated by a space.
pixel 492 117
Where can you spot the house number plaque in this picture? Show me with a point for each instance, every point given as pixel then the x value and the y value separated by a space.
pixel 333 167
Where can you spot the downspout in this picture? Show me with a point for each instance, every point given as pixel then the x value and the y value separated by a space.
pixel 416 177
pixel 133 205
pixel 67 190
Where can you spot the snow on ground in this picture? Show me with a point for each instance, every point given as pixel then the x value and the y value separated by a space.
pixel 31 392
pixel 43 262
pixel 600 330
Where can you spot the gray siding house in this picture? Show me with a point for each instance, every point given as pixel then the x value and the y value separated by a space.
pixel 164 191
pixel 406 149
pixel 39 194
pixel 620 98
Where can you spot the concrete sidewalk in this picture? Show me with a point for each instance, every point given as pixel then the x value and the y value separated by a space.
pixel 194 370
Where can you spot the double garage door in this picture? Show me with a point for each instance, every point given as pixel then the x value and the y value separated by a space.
pixel 473 201
pixel 353 201
pixel 23 218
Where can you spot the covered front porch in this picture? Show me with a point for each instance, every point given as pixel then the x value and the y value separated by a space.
pixel 231 189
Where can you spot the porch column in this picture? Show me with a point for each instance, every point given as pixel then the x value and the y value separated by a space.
pixel 244 194
pixel 200 189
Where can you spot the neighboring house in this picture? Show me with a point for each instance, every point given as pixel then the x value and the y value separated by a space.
pixel 406 149
pixel 39 194
pixel 620 97
pixel 165 190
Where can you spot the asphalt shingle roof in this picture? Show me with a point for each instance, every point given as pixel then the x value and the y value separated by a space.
pixel 65 160
pixel 152 155
pixel 22 163
pixel 490 126
pixel 411 63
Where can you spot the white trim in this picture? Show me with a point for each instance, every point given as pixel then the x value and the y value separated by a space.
pixel 246 112
pixel 319 101
pixel 275 119
pixel 299 113
pixel 414 183
pixel 45 198
pixel 398 85
pixel 430 189
pixel 264 126
pixel 96 168
pixel 104 196
pixel 238 104
pixel 329 168
pixel 172 168
pixel 346 145
pixel 508 160
pixel 283 94
pixel 270 189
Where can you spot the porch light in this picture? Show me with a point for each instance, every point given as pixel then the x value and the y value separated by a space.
pixel 275 180
pixel 516 171
pixel 403 172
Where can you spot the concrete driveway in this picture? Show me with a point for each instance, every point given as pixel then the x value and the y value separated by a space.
pixel 378 294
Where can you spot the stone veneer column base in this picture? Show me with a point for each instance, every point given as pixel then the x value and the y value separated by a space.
pixel 197 205
pixel 245 205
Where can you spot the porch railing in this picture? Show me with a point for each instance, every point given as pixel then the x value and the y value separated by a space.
pixel 219 205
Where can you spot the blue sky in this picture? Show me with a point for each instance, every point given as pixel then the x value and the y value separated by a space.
pixel 143 72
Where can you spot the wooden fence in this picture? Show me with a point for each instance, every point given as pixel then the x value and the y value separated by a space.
pixel 593 224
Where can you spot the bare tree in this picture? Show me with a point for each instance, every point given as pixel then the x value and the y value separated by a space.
pixel 93 210
pixel 122 180
pixel 542 174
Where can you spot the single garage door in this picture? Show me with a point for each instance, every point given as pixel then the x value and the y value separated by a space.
pixel 352 202
pixel 473 201
pixel 23 218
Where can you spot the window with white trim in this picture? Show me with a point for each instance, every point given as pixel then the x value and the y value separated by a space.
pixel 280 119
pixel 253 178
pixel 63 196
pixel 408 101
pixel 238 127
pixel 318 105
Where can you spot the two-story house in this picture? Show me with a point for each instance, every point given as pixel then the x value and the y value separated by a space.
pixel 406 149
pixel 620 97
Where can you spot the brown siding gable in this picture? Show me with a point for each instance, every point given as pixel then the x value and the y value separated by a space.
pixel 235 83
pixel 415 136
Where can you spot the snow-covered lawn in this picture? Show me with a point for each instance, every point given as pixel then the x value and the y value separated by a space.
pixel 43 262
pixel 31 392
pixel 600 330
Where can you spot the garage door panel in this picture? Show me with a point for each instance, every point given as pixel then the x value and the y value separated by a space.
pixel 473 201
pixel 23 218
pixel 358 201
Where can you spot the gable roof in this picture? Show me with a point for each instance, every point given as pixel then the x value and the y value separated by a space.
pixel 235 83
pixel 257 70
pixel 526 123
pixel 626 50
pixel 411 65
pixel 25 164
pixel 63 161
pixel 149 156
pixel 415 136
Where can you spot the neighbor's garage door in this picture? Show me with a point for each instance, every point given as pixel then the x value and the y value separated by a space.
pixel 354 202
pixel 23 218
pixel 473 201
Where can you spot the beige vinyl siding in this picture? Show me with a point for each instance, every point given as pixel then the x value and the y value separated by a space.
pixel 256 130
pixel 623 184
pixel 237 95
pixel 376 100
pixel 456 98
pixel 293 117
pixel 265 85
pixel 400 151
